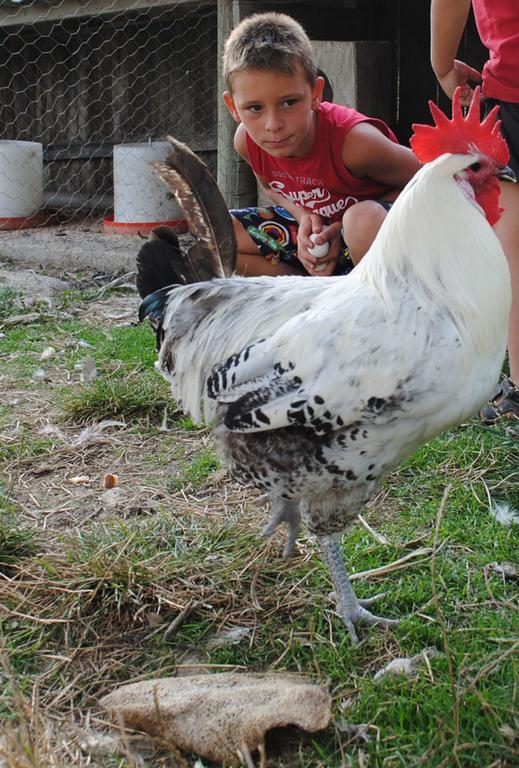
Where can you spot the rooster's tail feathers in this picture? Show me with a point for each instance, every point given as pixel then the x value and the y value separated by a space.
pixel 159 262
pixel 205 210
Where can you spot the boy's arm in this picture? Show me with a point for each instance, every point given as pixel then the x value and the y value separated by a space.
pixel 367 152
pixel 448 19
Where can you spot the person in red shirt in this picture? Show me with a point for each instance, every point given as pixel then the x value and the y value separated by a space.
pixel 498 26
pixel 328 170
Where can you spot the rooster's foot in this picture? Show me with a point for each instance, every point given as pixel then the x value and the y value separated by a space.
pixel 284 511
pixel 365 601
pixel 349 607
pixel 359 614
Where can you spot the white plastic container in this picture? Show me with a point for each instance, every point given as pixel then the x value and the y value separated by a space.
pixel 139 194
pixel 21 179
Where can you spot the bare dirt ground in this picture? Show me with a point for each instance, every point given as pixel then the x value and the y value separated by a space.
pixel 49 491
pixel 66 488
pixel 59 493
pixel 80 245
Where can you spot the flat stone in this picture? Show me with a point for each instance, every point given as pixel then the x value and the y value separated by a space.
pixel 31 284
pixel 221 717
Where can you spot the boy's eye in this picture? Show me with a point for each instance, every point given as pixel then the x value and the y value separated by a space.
pixel 290 102
pixel 254 107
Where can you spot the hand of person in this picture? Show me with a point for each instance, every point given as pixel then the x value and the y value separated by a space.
pixel 460 74
pixel 317 267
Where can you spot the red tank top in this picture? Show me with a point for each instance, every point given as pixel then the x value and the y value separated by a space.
pixel 498 27
pixel 319 181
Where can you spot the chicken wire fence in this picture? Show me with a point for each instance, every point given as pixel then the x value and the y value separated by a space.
pixel 87 90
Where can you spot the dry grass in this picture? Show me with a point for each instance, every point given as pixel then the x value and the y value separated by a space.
pixel 135 582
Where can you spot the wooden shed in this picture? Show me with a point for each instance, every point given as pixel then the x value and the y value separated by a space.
pixel 81 77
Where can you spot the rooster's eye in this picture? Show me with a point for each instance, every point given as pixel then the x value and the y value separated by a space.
pixel 475 167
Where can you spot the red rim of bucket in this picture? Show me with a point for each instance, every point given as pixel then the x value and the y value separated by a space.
pixel 125 227
pixel 25 222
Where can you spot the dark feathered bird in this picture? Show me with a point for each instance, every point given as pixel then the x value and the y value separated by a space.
pixel 319 386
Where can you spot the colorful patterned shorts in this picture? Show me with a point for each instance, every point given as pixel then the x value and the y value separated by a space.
pixel 274 230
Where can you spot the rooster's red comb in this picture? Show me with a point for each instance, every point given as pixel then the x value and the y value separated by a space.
pixel 460 135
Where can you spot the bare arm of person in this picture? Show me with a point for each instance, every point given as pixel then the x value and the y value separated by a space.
pixel 448 19
pixel 367 152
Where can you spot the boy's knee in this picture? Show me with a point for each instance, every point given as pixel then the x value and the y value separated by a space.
pixel 243 239
pixel 360 225
pixel 238 226
pixel 364 215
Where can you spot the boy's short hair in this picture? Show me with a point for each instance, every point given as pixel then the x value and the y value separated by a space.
pixel 272 41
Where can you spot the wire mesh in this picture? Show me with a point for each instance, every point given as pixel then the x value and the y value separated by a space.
pixel 80 77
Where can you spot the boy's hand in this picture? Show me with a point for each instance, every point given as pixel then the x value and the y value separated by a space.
pixel 460 74
pixel 311 224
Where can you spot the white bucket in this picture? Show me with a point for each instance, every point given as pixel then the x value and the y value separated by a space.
pixel 139 193
pixel 21 178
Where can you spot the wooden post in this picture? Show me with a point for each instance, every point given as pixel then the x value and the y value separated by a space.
pixel 235 178
pixel 225 128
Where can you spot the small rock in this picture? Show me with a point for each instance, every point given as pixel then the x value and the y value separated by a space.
pixel 47 354
pixel 41 375
pixel 110 481
pixel 88 370
pixel 221 717
pixel 506 570
pixel 80 480
pixel 229 636
pixel 32 284
pixel 407 666
pixel 113 497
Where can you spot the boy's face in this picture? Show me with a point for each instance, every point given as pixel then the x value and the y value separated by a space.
pixel 277 109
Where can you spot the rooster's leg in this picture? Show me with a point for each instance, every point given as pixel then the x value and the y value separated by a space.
pixel 284 511
pixel 349 607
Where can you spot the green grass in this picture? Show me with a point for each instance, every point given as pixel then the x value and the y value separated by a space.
pixel 137 395
pixel 10 303
pixel 78 601
pixel 195 472
pixel 453 718
pixel 16 539
pixel 126 384
pixel 26 446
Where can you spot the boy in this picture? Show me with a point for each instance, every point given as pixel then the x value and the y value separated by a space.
pixel 325 167
pixel 498 26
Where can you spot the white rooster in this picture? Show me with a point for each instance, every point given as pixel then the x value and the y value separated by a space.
pixel 320 386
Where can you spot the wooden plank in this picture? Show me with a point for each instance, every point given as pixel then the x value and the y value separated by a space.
pixel 252 6
pixel 226 126
pixel 41 12
pixel 235 178
pixel 88 151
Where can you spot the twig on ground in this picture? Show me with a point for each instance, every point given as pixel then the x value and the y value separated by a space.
pixel 397 565
pixel 118 282
pixel 376 535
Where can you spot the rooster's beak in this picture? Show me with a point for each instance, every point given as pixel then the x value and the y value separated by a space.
pixel 507 174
